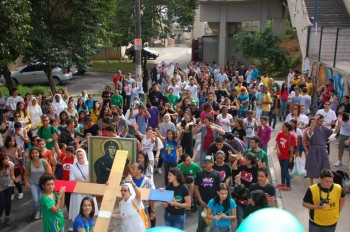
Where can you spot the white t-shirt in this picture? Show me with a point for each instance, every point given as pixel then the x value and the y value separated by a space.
pixel 225 122
pixel 12 103
pixel 328 116
pixel 147 145
pixel 297 133
pixel 345 128
pixel 194 90
pixel 249 127
pixel 176 89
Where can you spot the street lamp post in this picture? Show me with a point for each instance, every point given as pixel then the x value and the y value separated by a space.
pixel 138 68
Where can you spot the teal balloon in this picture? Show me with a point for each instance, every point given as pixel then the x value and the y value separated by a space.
pixel 164 228
pixel 271 220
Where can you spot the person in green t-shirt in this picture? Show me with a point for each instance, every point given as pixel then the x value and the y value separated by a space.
pixel 173 99
pixel 117 99
pixel 46 132
pixel 51 204
pixel 255 149
pixel 189 169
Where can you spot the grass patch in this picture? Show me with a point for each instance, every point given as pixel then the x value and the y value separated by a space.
pixel 33 90
pixel 113 66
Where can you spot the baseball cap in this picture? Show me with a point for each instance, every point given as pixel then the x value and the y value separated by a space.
pixel 209 158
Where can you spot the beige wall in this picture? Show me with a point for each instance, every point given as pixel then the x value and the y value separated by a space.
pixel 347 5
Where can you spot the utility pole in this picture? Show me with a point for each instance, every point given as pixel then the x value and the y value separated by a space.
pixel 138 51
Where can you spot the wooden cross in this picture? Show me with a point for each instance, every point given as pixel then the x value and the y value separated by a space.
pixel 109 192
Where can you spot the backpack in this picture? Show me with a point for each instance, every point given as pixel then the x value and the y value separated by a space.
pixel 141 212
pixel 339 176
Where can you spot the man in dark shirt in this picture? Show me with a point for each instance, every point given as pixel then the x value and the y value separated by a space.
pixel 213 103
pixel 155 96
pixel 206 185
pixel 219 144
pixel 235 143
pixel 344 106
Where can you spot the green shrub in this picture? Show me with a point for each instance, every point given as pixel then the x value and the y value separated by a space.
pixel 34 90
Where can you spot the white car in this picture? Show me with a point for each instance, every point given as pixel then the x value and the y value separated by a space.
pixel 34 74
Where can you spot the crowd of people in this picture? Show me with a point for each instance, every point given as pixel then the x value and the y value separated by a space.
pixel 224 176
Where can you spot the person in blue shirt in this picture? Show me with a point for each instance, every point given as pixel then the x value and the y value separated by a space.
pixel 243 98
pixel 85 220
pixel 221 210
pixel 254 74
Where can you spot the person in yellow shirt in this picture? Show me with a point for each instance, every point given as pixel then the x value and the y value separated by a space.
pixel 309 85
pixel 294 82
pixel 325 201
pixel 265 102
pixel 265 80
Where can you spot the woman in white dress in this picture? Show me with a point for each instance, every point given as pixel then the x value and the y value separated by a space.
pixel 131 199
pixel 79 171
pixel 34 111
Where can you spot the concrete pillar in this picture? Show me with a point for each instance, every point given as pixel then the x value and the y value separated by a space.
pixel 222 36
pixel 264 13
pixel 279 26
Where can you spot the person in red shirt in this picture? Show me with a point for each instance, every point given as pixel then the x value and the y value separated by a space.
pixel 116 79
pixel 285 142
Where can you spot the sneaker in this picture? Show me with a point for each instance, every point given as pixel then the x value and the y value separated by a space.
pixel 160 171
pixel 70 229
pixel 20 196
pixel 12 197
pixel 280 185
pixel 37 215
pixel 7 221
pixel 338 163
pixel 285 189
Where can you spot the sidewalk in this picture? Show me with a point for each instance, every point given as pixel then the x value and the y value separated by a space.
pixel 292 201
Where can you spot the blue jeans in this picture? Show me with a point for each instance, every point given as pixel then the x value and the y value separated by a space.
pixel 174 220
pixel 272 116
pixel 285 177
pixel 214 228
pixel 315 228
pixel 283 109
pixel 36 194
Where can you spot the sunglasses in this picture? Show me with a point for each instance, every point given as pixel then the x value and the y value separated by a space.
pixel 124 190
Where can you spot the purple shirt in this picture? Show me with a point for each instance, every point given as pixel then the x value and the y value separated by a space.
pixel 153 121
pixel 265 134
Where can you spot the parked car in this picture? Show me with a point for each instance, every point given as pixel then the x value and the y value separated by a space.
pixel 151 54
pixel 34 74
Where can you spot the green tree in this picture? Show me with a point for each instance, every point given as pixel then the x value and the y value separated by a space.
pixel 157 18
pixel 264 46
pixel 14 27
pixel 63 28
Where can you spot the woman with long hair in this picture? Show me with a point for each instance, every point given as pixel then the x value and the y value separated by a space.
pixel 85 221
pixel 71 111
pixel 106 96
pixel 14 153
pixel 53 116
pixel 24 117
pixel 185 131
pixel 170 156
pixel 7 178
pixel 95 111
pixel 250 168
pixel 174 215
pixel 221 210
pixel 82 117
pixel 81 105
pixel 211 85
pixel 284 101
pixel 142 157
pixel 295 114
pixel 52 204
pixel 63 119
pixel 238 130
pixel 35 168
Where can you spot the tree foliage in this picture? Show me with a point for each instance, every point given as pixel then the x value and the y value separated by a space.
pixel 157 18
pixel 264 46
pixel 14 27
pixel 67 28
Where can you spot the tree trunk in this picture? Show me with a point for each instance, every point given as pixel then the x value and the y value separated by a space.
pixel 7 75
pixel 263 66
pixel 48 72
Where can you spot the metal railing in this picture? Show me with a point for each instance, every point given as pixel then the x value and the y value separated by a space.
pixel 330 45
